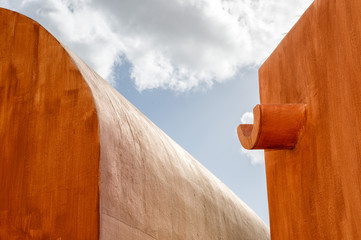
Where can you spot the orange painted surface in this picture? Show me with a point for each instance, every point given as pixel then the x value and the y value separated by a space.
pixel 49 144
pixel 314 190
pixel 276 126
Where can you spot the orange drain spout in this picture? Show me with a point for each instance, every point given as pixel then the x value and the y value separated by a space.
pixel 275 126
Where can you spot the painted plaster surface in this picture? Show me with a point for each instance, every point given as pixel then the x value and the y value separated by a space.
pixel 49 143
pixel 314 190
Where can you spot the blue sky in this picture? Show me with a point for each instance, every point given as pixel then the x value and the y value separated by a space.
pixel 188 65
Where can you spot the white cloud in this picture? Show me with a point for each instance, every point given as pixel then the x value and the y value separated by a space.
pixel 83 29
pixel 247 118
pixel 171 44
pixel 256 156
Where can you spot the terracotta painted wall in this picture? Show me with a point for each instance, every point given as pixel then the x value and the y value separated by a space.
pixel 314 190
pixel 49 143
pixel 78 161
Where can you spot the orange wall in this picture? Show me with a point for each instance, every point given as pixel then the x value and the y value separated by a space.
pixel 314 190
pixel 49 144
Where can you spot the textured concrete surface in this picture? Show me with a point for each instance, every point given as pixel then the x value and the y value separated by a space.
pixel 151 187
